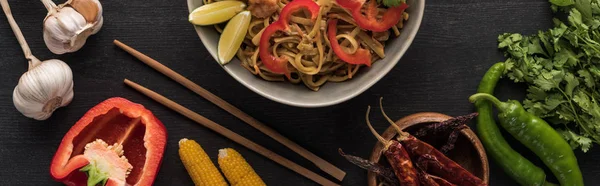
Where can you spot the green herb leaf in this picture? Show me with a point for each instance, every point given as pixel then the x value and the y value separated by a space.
pixel 583 101
pixel 572 82
pixel 575 18
pixel 595 71
pixel 562 2
pixel 551 104
pixel 545 39
pixel 507 39
pixel 549 80
pixel 392 3
pixel 595 8
pixel 585 7
pixel 536 93
pixel 534 47
pixel 565 114
pixel 576 140
pixel 588 104
pixel 587 78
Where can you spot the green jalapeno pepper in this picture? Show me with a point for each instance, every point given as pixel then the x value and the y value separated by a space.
pixel 539 137
pixel 515 165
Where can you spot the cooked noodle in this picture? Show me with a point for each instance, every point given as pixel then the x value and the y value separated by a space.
pixel 310 58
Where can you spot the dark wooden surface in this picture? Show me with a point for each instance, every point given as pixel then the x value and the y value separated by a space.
pixel 455 46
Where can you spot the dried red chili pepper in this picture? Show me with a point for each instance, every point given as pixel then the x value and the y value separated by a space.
pixel 441 181
pixel 431 180
pixel 387 174
pixel 434 163
pixel 84 156
pixel 360 56
pixel 390 18
pixel 426 179
pixel 398 157
pixel 454 125
pixel 445 167
pixel 279 64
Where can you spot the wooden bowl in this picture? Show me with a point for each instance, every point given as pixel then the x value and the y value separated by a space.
pixel 468 151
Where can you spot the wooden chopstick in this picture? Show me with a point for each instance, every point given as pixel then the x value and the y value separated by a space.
pixel 319 162
pixel 230 134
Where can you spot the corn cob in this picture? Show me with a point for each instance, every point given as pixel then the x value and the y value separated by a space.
pixel 237 170
pixel 198 164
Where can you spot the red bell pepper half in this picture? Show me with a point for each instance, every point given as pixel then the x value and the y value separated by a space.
pixel 361 56
pixel 390 18
pixel 279 64
pixel 138 140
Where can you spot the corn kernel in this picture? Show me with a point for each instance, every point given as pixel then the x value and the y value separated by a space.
pixel 202 171
pixel 237 171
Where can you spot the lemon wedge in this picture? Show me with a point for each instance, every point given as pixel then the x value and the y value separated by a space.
pixel 216 12
pixel 232 37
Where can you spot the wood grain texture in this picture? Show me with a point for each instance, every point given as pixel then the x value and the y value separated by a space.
pixel 453 49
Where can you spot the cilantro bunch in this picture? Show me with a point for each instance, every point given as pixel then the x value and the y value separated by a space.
pixel 562 68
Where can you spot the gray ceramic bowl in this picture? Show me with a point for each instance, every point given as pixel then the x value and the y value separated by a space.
pixel 331 93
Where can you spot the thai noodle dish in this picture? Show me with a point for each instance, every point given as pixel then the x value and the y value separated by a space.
pixel 314 42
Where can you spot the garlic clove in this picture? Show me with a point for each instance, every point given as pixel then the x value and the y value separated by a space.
pixel 100 10
pixel 54 45
pixel 80 37
pixel 43 89
pixel 97 26
pixel 61 27
pixel 99 19
pixel 87 8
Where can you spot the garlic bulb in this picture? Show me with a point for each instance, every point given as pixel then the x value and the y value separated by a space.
pixel 68 25
pixel 46 86
pixel 43 89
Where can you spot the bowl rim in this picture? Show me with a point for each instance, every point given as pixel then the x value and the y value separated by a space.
pixel 418 18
